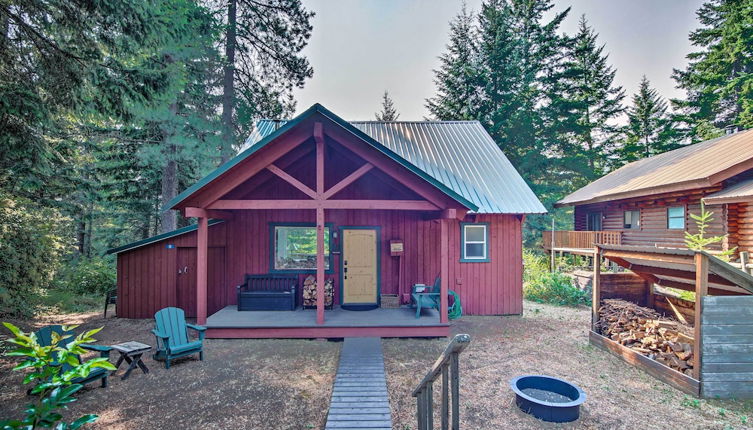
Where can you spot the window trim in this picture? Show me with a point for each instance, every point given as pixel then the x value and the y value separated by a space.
pixel 684 217
pixel 271 238
pixel 463 258
pixel 639 226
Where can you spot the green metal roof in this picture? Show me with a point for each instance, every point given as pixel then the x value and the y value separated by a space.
pixel 159 237
pixel 458 157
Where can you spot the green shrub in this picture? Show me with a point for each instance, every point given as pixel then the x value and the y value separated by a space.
pixel 93 276
pixel 31 244
pixel 555 288
pixel 534 265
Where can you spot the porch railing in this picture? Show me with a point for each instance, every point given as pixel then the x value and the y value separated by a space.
pixel 580 239
pixel 446 365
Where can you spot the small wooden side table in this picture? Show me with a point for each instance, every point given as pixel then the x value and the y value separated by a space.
pixel 131 352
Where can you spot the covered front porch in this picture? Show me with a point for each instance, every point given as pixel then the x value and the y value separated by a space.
pixel 400 322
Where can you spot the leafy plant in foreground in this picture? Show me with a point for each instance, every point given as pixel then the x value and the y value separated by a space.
pixel 53 386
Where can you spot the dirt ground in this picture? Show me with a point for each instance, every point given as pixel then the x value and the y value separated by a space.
pixel 245 383
pixel 549 340
pixel 286 384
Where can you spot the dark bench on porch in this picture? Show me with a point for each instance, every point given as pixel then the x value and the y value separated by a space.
pixel 270 292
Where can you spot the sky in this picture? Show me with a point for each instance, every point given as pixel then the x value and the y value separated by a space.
pixel 359 49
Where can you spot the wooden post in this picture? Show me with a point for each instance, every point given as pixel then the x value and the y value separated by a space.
pixel 445 414
pixel 701 290
pixel 444 269
pixel 596 288
pixel 320 291
pixel 455 389
pixel 320 266
pixel 744 260
pixel 202 253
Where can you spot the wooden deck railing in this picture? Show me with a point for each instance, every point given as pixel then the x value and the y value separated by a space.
pixel 581 239
pixel 447 366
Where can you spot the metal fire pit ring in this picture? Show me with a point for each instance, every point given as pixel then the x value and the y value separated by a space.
pixel 548 398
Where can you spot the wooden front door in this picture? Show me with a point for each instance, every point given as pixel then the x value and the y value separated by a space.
pixel 360 268
pixel 185 281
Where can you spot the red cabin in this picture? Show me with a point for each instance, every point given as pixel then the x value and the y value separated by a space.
pixel 371 208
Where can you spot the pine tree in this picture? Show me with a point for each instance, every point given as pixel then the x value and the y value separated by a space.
pixel 719 78
pixel 388 112
pixel 595 103
pixel 516 49
pixel 650 129
pixel 263 63
pixel 458 92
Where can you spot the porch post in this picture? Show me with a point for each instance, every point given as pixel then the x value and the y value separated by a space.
pixel 701 290
pixel 319 139
pixel 320 265
pixel 444 268
pixel 201 270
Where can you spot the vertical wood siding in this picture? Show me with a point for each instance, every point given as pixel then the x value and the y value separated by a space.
pixel 148 276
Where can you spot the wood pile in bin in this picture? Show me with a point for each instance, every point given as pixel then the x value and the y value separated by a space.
pixel 309 292
pixel 647 332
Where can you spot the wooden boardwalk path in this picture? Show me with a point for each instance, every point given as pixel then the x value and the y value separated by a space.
pixel 359 398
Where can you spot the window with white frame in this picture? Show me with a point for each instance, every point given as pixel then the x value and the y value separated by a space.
pixel 632 219
pixel 474 242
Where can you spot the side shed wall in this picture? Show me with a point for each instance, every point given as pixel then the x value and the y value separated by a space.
pixel 727 348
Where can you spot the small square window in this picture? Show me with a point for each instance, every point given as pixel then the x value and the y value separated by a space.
pixel 475 242
pixel 676 218
pixel 632 220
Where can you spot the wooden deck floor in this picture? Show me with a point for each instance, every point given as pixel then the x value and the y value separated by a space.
pixel 380 317
pixel 230 323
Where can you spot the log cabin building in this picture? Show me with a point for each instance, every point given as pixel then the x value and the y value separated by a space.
pixel 649 202
pixel 372 207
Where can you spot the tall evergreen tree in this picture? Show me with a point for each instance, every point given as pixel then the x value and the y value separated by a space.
pixel 516 48
pixel 388 112
pixel 593 104
pixel 719 78
pixel 263 63
pixel 650 129
pixel 457 78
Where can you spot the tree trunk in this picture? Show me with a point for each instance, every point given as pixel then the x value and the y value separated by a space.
pixel 170 173
pixel 228 88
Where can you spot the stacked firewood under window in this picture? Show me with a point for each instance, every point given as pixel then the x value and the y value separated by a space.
pixel 309 292
pixel 647 332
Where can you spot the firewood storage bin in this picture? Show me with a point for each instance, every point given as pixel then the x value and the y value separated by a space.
pixel 722 319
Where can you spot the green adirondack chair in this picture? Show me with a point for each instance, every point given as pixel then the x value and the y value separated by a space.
pixel 172 336
pixel 44 338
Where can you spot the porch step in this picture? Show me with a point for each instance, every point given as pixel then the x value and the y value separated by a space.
pixel 359 397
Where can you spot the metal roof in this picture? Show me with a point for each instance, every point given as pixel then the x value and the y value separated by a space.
pixel 157 238
pixel 691 166
pixel 739 192
pixel 458 154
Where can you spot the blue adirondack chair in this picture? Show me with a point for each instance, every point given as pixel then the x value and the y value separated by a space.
pixel 44 338
pixel 172 336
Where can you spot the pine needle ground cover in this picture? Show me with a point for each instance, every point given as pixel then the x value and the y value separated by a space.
pixel 549 340
pixel 242 383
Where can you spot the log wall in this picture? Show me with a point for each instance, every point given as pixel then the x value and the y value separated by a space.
pixel 653 230
pixel 727 347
